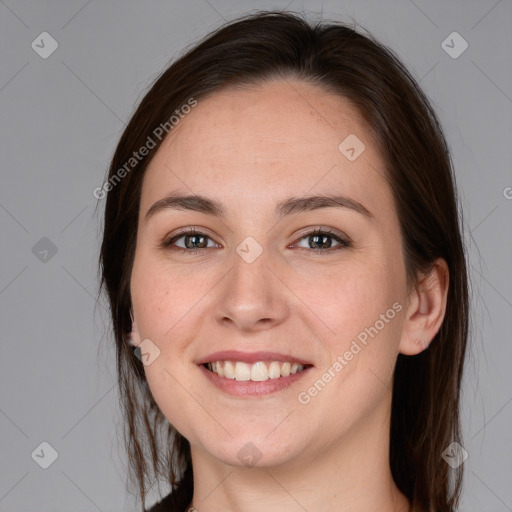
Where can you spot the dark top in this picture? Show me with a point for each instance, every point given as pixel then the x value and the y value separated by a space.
pixel 162 506
pixel 181 496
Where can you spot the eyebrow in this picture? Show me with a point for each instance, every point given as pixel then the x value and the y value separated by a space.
pixel 289 206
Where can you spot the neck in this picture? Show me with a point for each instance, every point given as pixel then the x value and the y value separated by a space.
pixel 349 475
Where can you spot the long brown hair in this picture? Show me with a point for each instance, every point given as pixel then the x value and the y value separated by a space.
pixel 278 45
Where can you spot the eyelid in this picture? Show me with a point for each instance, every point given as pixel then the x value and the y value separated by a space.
pixel 316 229
pixel 187 231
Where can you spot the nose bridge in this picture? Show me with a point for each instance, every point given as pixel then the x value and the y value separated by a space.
pixel 250 297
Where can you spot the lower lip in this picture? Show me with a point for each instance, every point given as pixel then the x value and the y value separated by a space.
pixel 252 388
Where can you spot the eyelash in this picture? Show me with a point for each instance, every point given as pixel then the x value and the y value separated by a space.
pixel 343 243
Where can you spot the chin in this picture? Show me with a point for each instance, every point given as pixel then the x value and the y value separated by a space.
pixel 253 450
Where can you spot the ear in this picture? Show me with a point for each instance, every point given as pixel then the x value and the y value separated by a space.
pixel 134 339
pixel 426 310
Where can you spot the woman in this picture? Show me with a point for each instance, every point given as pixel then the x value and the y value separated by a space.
pixel 283 259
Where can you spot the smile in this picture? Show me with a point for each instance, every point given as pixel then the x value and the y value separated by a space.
pixel 257 372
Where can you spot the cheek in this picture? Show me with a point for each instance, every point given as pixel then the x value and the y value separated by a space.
pixel 169 308
pixel 162 297
pixel 348 298
pixel 163 304
pixel 360 311
pixel 358 375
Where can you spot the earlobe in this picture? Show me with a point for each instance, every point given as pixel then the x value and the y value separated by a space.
pixel 134 337
pixel 426 310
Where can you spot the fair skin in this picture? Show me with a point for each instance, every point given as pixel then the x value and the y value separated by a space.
pixel 250 149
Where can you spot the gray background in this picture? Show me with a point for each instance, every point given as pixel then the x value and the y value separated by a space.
pixel 60 120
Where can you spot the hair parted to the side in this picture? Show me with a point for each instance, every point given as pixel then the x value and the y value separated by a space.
pixel 257 49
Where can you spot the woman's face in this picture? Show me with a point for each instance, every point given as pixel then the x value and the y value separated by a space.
pixel 255 284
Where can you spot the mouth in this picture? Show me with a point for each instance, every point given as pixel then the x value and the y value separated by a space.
pixel 242 374
pixel 259 371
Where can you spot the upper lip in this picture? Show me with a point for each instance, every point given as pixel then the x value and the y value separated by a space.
pixel 250 357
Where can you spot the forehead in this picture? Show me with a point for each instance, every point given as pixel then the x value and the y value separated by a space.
pixel 262 142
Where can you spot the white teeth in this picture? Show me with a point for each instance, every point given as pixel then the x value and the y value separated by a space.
pixel 229 370
pixel 218 369
pixel 242 371
pixel 259 372
pixel 256 372
pixel 274 370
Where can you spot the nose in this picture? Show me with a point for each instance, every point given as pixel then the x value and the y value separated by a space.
pixel 251 297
